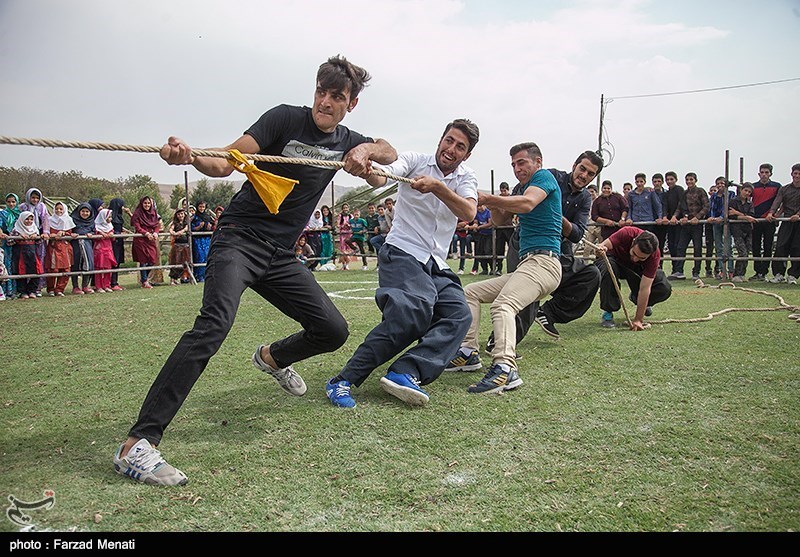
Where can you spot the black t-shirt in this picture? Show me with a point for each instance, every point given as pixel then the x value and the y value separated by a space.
pixel 289 131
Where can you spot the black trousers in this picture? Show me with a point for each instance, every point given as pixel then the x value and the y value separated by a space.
pixel 661 230
pixel 708 235
pixel 692 233
pixel 609 301
pixel 674 243
pixel 501 241
pixel 238 260
pixel 788 246
pixel 483 247
pixel 570 301
pixel 763 235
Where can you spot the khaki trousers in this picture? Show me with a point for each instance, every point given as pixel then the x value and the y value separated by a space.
pixel 535 277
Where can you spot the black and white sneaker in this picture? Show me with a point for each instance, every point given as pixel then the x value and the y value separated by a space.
pixel 546 324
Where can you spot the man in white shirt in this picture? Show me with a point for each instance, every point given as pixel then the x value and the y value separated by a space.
pixel 420 297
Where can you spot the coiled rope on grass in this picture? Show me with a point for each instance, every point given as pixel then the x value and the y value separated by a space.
pixel 700 284
pixel 57 143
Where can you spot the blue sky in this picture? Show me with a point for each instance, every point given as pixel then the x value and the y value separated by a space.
pixel 137 72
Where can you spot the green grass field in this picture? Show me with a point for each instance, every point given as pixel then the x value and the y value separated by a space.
pixel 686 426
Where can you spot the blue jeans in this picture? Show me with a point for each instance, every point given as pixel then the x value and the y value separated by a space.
pixel 422 306
pixel 721 251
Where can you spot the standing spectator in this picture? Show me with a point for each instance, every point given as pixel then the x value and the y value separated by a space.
pixel 358 229
pixel 343 228
pixel 633 255
pixel 118 212
pixel 610 210
pixel 673 210
pixel 722 241
pixel 103 250
pixel 708 238
pixel 218 210
pixel 327 239
pixel 627 187
pixel 179 251
pixel 696 208
pixel 8 217
pixel 25 257
pixel 35 204
pixel 503 224
pixel 644 205
pixel 482 233
pixel 372 226
pixel 59 249
pixel 787 204
pixel 463 239
pixel 740 211
pixel 384 225
pixel 82 248
pixel 313 234
pixel 202 223
pixel 145 221
pixel 593 233
pixel 662 223
pixel 764 193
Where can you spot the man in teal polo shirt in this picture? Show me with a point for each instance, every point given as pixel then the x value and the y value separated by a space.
pixel 536 276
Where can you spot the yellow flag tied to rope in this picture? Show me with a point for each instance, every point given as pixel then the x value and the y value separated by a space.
pixel 271 188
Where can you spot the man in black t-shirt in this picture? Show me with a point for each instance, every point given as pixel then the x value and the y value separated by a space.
pixel 253 248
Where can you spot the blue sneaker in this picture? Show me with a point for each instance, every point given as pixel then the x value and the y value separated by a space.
pixel 608 320
pixel 465 361
pixel 405 387
pixel 339 394
pixel 500 377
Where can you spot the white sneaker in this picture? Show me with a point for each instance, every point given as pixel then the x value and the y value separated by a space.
pixel 289 380
pixel 791 280
pixel 365 268
pixel 461 271
pixel 777 279
pixel 145 464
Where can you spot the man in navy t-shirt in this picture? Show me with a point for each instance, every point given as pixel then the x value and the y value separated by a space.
pixel 253 248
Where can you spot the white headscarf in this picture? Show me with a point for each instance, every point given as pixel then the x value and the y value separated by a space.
pixel 102 221
pixel 314 221
pixel 25 230
pixel 63 222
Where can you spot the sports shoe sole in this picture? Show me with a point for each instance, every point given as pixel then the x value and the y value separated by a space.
pixel 406 394
pixel 471 367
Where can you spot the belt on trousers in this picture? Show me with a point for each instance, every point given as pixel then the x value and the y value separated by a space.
pixel 543 252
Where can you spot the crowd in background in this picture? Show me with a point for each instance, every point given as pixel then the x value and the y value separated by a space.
pixel 90 238
pixel 86 239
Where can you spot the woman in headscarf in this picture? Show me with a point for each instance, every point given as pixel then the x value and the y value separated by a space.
pixel 82 248
pixel 202 222
pixel 8 217
pixel 24 252
pixel 59 249
pixel 314 235
pixel 145 221
pixel 96 204
pixel 327 240
pixel 103 250
pixel 179 253
pixel 218 210
pixel 118 211
pixel 35 204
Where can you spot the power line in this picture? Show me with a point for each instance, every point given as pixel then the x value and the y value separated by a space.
pixel 705 90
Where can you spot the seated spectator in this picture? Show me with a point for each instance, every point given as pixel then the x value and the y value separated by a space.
pixel 305 254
